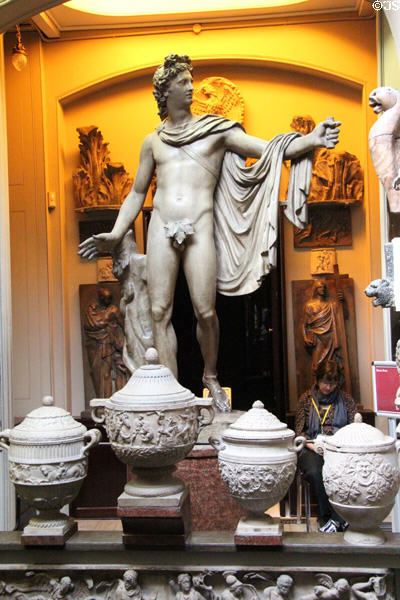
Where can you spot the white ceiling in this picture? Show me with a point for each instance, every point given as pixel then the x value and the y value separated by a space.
pixel 62 18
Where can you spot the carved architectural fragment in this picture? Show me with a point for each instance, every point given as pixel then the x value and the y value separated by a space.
pixel 327 226
pixel 317 334
pixel 336 176
pixel 218 96
pixel 130 584
pixel 323 261
pixel 337 182
pixel 98 183
pixel 103 328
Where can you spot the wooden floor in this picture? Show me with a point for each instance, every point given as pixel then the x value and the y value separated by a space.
pixel 290 524
pixel 115 525
pixel 99 524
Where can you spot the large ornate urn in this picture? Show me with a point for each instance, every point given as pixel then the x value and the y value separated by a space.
pixel 153 423
pixel 48 461
pixel 257 460
pixel 361 477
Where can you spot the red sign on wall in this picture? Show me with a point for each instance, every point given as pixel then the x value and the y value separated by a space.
pixel 386 382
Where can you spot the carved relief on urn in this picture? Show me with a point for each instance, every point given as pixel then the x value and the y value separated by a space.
pixel 361 477
pixel 152 423
pixel 48 461
pixel 257 461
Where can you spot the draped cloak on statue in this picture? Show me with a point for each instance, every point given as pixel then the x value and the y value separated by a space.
pixel 246 203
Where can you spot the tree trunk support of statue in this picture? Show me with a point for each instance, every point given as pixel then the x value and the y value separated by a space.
pixel 155 522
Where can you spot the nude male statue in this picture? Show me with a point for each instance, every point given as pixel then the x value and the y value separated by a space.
pixel 188 153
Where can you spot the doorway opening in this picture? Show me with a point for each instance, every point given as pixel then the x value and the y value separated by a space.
pixel 252 357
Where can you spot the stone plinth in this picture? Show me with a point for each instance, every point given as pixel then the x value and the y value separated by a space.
pixel 53 535
pixel 154 522
pixel 258 532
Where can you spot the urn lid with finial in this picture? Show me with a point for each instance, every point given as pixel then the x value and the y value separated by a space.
pixel 48 422
pixel 359 436
pixel 257 424
pixel 153 386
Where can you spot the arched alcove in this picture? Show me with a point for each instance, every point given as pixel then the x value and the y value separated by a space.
pixel 123 108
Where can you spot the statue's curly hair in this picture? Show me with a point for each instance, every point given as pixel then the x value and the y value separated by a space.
pixel 173 64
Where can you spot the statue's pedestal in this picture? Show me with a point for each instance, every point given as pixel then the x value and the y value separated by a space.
pixel 44 532
pixel 261 531
pixel 155 522
pixel 220 422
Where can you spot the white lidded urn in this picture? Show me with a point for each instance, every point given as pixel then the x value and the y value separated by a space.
pixel 153 423
pixel 48 461
pixel 361 477
pixel 257 460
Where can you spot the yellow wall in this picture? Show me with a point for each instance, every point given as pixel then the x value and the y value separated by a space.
pixel 319 69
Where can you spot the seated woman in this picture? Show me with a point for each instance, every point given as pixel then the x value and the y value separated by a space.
pixel 322 409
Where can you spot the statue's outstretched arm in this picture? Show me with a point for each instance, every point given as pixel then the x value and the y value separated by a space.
pixel 243 144
pixel 129 210
pixel 325 134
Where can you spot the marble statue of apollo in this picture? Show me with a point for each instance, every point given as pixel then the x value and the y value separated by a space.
pixel 210 211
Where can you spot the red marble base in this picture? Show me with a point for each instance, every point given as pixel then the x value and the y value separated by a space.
pixel 48 539
pixel 156 525
pixel 212 506
pixel 258 540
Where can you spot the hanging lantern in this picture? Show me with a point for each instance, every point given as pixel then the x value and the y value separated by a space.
pixel 19 56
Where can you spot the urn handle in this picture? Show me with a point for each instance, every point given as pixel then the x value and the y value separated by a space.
pixel 298 444
pixel 93 436
pixel 97 405
pixel 206 416
pixel 216 443
pixel 319 445
pixel 5 439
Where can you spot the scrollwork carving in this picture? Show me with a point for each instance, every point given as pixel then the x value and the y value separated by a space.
pixel 245 481
pixel 365 480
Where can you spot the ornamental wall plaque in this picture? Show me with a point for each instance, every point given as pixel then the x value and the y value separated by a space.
pixel 218 96
pixel 98 183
